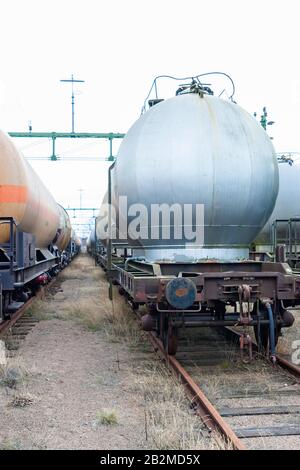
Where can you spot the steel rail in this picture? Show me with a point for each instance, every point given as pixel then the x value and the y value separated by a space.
pixel 289 366
pixel 7 324
pixel 201 404
pixel 282 362
pixel 203 407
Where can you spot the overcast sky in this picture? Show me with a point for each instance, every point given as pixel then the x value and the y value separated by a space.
pixel 118 47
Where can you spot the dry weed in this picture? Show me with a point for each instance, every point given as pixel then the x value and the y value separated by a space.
pixel 13 373
pixel 10 444
pixel 169 422
pixel 21 400
pixel 107 417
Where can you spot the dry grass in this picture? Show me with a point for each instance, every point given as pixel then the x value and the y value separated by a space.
pixel 86 311
pixel 169 423
pixel 13 373
pixel 90 291
pixel 97 313
pixel 72 273
pixel 121 325
pixel 244 379
pixel 78 269
pixel 92 308
pixel 212 386
pixel 41 310
pixel 114 319
pixel 97 273
pixel 107 417
pixel 21 400
pixel 36 307
pixel 10 444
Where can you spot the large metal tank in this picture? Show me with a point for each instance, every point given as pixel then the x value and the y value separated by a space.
pixel 102 222
pixel 191 149
pixel 24 197
pixel 90 243
pixel 287 205
pixel 102 231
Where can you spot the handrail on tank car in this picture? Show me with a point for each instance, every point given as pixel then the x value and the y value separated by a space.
pixel 291 240
pixel 12 240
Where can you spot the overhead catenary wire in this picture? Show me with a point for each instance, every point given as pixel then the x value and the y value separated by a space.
pixel 78 147
pixel 35 143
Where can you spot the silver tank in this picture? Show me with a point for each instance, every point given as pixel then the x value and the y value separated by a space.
pixel 205 150
pixel 90 243
pixel 287 205
pixel 102 221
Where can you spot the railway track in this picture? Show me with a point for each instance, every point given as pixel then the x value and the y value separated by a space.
pixel 252 405
pixel 15 329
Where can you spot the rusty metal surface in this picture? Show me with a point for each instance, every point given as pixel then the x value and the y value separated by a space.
pixel 203 407
pixel 213 280
pixel 4 326
pixel 210 416
pixel 7 324
pixel 287 365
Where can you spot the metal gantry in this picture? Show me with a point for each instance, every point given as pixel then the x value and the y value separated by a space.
pixel 110 136
pixel 75 210
pixel 83 219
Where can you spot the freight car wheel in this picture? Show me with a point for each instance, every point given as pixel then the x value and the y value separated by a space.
pixel 121 291
pixel 168 335
pixel 172 343
pixel 163 328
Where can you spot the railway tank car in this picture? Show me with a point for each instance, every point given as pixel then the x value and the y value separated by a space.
pixel 190 150
pixel 34 229
pixel 283 226
pixel 98 240
pixel 90 244
pixel 73 248
pixel 198 149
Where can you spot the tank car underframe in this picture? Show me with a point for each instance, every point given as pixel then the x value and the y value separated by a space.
pixel 226 294
pixel 71 250
pixel 21 263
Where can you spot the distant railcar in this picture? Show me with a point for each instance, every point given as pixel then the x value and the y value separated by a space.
pixel 34 230
pixel 280 236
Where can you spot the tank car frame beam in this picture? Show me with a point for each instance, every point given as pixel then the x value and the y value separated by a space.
pixel 216 286
pixel 21 263
pixel 146 283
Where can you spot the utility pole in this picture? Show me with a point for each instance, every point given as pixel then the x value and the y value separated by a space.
pixel 80 197
pixel 72 80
